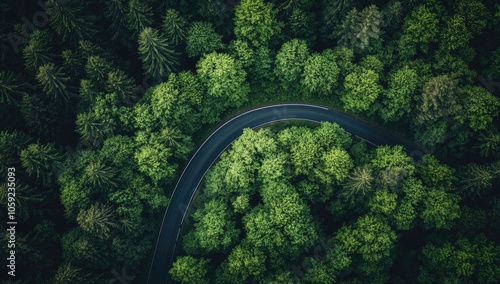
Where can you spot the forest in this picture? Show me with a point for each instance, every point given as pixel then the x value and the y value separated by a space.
pixel 102 102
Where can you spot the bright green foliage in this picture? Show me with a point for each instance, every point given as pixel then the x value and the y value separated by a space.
pixel 241 204
pixel 116 11
pixel 153 156
pixel 256 22
pixel 283 225
pixel 335 168
pixel 455 35
pixel 434 174
pixel 359 29
pixel 174 26
pixel 187 269
pixel 121 84
pixel 224 79
pixel 398 97
pixel 70 21
pixel 241 50
pixel 370 236
pixel 475 13
pixel 461 261
pixel 407 211
pixel 139 17
pixel 40 160
pixel 320 75
pixel 481 107
pixel 343 56
pixel 439 100
pixel 157 56
pixel 440 209
pixel 383 202
pixel 202 39
pixel 245 261
pixel 361 89
pixel 12 87
pixel 214 227
pixel 419 29
pixel 54 82
pixel 290 61
pixel 97 220
pixel 38 52
pixel 91 129
pixel 319 272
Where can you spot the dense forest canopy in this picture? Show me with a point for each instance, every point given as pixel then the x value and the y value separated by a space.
pixel 102 102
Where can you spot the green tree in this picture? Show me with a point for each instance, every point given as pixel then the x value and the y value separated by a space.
pixel 290 62
pixel 256 22
pixel 440 209
pixel 361 89
pixel 157 56
pixel 202 39
pixel 214 227
pixel 39 51
pixel 100 175
pixel 419 30
pixel 54 82
pixel 360 29
pixel 335 167
pixel 70 20
pixel 475 180
pixel 224 79
pixel 455 35
pixel 12 87
pixel 245 261
pixel 67 273
pixel 489 142
pixel 116 11
pixel 475 13
pixel 97 220
pixel 397 98
pixel 174 26
pixel 187 269
pixel 481 107
pixel 41 160
pixel 97 69
pixel 123 85
pixel 358 185
pixel 139 17
pixel 320 75
pixel 92 130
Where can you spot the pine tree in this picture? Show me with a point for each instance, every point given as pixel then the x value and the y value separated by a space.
pixel 116 11
pixel 38 51
pixel 69 274
pixel 97 220
pixel 358 184
pixel 101 176
pixel 158 57
pixel 12 87
pixel 139 16
pixel 40 160
pixel 54 82
pixel 97 69
pixel 174 26
pixel 92 130
pixel 70 21
pixel 359 28
pixel 124 86
pixel 72 62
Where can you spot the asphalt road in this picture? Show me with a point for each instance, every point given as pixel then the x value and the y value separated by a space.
pixel 223 137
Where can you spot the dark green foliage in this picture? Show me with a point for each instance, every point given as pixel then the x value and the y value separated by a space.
pixel 202 39
pixel 116 11
pixel 158 57
pixel 360 29
pixel 139 17
pixel 38 52
pixel 97 220
pixel 41 161
pixel 12 87
pixel 174 26
pixel 54 82
pixel 70 20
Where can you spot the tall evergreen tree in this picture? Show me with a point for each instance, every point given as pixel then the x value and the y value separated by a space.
pixel 98 220
pixel 116 11
pixel 158 57
pixel 54 82
pixel 174 26
pixel 38 51
pixel 139 16
pixel 69 19
pixel 41 160
pixel 12 87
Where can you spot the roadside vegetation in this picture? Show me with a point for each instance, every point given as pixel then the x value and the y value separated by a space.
pixel 102 103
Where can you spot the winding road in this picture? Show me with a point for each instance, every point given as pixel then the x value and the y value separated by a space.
pixel 222 138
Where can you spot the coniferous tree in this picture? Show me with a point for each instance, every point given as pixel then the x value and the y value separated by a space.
pixel 97 69
pixel 54 82
pixel 69 20
pixel 124 86
pixel 174 26
pixel 158 57
pixel 72 62
pixel 40 161
pixel 92 130
pixel 202 39
pixel 12 87
pixel 116 11
pixel 139 16
pixel 358 184
pixel 38 52
pixel 69 274
pixel 98 220
pixel 100 176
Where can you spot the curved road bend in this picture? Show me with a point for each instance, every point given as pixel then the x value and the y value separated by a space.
pixel 218 141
